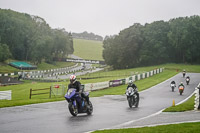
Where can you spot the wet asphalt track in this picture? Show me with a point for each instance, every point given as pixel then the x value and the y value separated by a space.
pixel 109 111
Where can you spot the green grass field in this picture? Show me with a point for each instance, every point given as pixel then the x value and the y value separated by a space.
pixel 20 93
pixel 171 128
pixel 88 49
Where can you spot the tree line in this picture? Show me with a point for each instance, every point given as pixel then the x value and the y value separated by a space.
pixel 30 38
pixel 88 36
pixel 173 41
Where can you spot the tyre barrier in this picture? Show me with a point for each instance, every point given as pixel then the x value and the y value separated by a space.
pixel 113 83
pixel 197 98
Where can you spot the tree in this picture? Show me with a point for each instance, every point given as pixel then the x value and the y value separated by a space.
pixel 155 48
pixel 4 52
pixel 122 51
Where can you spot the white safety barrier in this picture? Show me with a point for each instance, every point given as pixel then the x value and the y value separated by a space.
pixel 103 85
pixel 196 100
pixel 96 86
pixel 5 95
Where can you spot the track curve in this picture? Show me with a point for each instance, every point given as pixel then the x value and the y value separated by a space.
pixel 109 111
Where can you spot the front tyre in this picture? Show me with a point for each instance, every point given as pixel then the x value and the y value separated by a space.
pixel 90 109
pixel 130 101
pixel 72 109
pixel 137 102
pixel 172 89
pixel 181 92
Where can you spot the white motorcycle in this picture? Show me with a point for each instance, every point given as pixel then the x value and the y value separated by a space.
pixel 187 81
pixel 173 87
pixel 133 99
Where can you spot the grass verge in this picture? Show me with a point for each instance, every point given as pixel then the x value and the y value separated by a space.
pixel 172 128
pixel 186 106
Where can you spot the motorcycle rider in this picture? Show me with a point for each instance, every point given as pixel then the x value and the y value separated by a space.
pixel 184 72
pixel 173 82
pixel 188 78
pixel 131 84
pixel 181 84
pixel 77 85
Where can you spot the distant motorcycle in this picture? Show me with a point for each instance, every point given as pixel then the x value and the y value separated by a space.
pixel 187 80
pixel 133 99
pixel 173 87
pixel 184 74
pixel 77 104
pixel 181 89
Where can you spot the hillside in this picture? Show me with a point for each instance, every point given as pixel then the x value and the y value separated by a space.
pixel 88 49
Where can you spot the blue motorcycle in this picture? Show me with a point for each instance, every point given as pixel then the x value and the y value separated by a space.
pixel 77 104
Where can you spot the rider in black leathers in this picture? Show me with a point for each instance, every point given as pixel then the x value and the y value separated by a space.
pixel 173 82
pixel 77 85
pixel 131 84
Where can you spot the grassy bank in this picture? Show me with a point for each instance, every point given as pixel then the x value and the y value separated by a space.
pixel 172 128
pixel 88 49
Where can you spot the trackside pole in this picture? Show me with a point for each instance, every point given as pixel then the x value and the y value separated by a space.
pixel 173 103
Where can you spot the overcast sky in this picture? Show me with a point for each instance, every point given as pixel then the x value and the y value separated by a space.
pixel 103 17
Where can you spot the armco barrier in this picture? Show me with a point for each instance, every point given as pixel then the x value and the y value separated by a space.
pixel 114 83
pixel 103 85
pixel 5 95
pixel 197 98
pixel 41 73
pixel 96 86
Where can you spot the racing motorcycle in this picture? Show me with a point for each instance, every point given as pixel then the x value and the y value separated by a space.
pixel 184 74
pixel 187 80
pixel 132 98
pixel 181 89
pixel 77 104
pixel 173 87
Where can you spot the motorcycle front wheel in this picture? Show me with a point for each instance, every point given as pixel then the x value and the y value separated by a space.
pixel 181 92
pixel 72 109
pixel 130 101
pixel 137 102
pixel 172 89
pixel 90 109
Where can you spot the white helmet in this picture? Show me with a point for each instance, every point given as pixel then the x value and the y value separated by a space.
pixel 72 79
pixel 130 82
